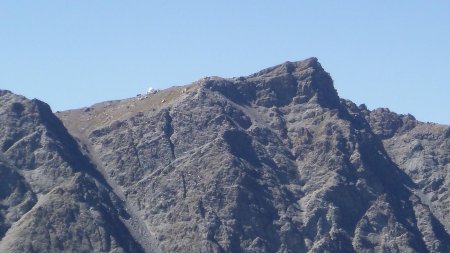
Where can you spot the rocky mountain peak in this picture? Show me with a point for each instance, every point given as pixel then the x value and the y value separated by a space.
pixel 4 92
pixel 288 83
pixel 270 162
pixel 290 67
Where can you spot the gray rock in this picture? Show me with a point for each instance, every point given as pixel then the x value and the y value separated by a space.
pixel 271 162
pixel 52 198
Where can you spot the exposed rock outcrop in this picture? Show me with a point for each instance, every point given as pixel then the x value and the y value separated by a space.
pixel 271 162
pixel 52 198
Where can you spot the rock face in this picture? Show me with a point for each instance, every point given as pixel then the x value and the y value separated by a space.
pixel 52 198
pixel 271 162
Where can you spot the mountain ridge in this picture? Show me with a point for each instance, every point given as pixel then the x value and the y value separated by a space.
pixel 272 162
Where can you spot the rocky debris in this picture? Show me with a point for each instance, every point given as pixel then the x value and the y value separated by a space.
pixel 271 162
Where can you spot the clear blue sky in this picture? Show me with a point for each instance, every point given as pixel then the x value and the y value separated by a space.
pixel 72 54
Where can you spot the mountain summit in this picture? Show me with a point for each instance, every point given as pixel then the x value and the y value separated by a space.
pixel 271 162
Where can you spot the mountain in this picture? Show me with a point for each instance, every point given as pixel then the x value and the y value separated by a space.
pixel 272 162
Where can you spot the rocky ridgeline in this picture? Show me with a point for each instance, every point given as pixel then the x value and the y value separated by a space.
pixel 271 162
